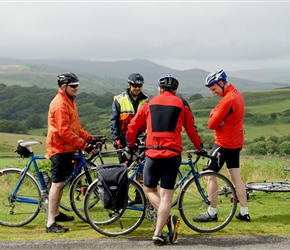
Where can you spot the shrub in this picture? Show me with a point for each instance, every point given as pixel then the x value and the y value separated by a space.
pixel 258 147
pixel 284 148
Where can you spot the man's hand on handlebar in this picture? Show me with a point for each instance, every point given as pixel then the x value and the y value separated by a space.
pixel 202 152
pixel 91 149
pixel 131 153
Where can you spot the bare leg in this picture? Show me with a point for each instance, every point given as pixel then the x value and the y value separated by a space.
pixel 53 202
pixel 240 186
pixel 162 203
pixel 212 190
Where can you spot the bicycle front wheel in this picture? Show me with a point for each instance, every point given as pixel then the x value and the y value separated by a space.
pixel 276 186
pixel 192 203
pixel 19 209
pixel 78 190
pixel 115 223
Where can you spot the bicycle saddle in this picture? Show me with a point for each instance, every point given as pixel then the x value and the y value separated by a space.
pixel 23 143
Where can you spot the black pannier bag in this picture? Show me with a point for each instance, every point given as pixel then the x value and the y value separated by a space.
pixel 113 185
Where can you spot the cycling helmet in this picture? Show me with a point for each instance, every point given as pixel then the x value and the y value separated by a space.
pixel 67 78
pixel 135 78
pixel 169 82
pixel 214 77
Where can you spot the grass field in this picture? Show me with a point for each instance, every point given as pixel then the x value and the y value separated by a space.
pixel 270 212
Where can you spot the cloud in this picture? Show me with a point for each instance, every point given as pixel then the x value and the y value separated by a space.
pixel 182 35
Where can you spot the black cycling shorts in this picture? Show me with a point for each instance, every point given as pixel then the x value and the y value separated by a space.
pixel 61 166
pixel 229 156
pixel 162 169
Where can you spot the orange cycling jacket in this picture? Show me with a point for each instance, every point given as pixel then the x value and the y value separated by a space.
pixel 164 115
pixel 65 133
pixel 230 110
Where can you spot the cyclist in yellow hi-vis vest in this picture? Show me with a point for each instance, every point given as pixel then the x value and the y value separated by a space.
pixel 124 108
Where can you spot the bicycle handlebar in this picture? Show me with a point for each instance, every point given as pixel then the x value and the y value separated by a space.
pixel 214 158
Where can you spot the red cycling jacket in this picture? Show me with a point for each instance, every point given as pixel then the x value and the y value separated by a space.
pixel 164 116
pixel 230 110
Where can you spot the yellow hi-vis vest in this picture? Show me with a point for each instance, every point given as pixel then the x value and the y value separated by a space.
pixel 127 111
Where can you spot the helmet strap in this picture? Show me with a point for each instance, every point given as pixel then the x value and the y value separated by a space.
pixel 222 87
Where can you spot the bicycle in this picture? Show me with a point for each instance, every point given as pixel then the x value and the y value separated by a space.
pixel 274 186
pixel 23 196
pixel 117 222
pixel 79 185
pixel 192 200
pixel 81 182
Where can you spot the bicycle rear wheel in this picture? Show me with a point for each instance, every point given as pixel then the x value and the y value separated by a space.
pixel 110 223
pixel 191 203
pixel 276 186
pixel 78 190
pixel 12 212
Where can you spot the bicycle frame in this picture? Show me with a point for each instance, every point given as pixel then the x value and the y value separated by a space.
pixel 195 175
pixel 44 193
pixel 138 168
pixel 82 164
pixel 25 171
pixel 192 171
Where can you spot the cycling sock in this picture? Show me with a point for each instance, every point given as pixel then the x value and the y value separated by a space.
pixel 244 210
pixel 211 211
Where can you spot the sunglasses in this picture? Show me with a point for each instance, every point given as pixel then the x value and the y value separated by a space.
pixel 73 86
pixel 136 85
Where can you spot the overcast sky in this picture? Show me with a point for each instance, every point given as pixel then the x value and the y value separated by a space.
pixel 209 35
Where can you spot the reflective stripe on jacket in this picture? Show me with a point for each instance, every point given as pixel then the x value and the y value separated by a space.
pixel 65 133
pixel 231 111
pixel 123 111
pixel 164 115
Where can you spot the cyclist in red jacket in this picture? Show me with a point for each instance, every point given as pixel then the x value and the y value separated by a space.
pixel 164 116
pixel 226 119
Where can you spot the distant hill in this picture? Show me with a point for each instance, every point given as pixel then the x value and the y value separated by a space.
pixel 101 76
pixel 264 75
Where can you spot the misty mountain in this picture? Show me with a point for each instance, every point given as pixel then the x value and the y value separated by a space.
pixel 111 76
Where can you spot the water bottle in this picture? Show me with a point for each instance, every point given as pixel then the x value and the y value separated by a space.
pixel 47 180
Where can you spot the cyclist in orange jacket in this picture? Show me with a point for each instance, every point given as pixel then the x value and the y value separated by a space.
pixel 64 136
pixel 226 119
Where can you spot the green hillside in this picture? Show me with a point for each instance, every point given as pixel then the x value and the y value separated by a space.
pixel 24 111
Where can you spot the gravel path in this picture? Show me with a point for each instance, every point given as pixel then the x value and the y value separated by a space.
pixel 198 243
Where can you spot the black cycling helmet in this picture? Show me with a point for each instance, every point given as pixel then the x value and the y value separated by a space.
pixel 67 78
pixel 169 82
pixel 135 78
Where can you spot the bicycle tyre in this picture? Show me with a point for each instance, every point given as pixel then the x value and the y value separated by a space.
pixel 191 203
pixel 13 213
pixel 105 221
pixel 276 186
pixel 78 190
